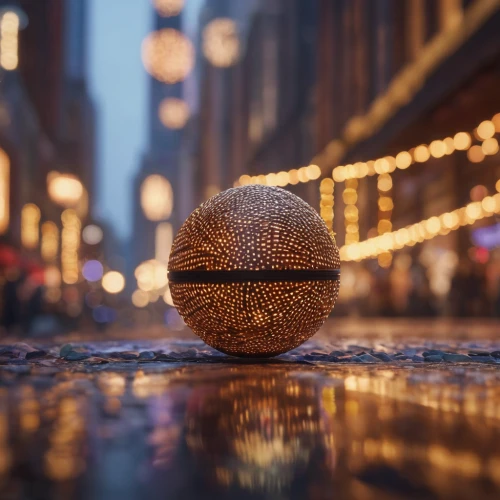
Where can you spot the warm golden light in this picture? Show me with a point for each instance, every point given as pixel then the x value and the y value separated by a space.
pixel 326 189
pixel 52 277
pixel 167 297
pixel 384 182
pixel 140 298
pixel 462 141
pixel 9 41
pixel 168 55
pixel 151 275
pixel 30 220
pixel 64 189
pixel 421 153
pixel 426 229
pixel 164 236
pixel 173 113
pixel 168 8
pixel 403 160
pixel 50 241
pixel 437 149
pixel 486 129
pixel 70 244
pixel 313 172
pixel 385 260
pixel 221 44
pixel 475 154
pixel 490 146
pixel 4 191
pixel 385 203
pixel 449 145
pixel 350 197
pixel 496 122
pixel 113 282
pixel 384 226
pixel 157 198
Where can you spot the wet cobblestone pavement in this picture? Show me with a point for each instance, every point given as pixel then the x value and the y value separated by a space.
pixel 174 419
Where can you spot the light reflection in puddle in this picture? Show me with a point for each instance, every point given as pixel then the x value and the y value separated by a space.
pixel 252 431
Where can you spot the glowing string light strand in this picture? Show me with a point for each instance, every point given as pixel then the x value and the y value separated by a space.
pixel 424 230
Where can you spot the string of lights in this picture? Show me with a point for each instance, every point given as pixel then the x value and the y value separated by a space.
pixel 385 207
pixel 326 190
pixel 407 82
pixel 351 213
pixel 424 230
pixel 461 141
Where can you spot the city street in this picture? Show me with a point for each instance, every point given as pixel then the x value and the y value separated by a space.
pixel 249 249
pixel 405 415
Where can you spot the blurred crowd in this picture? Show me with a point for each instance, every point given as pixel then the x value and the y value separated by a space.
pixel 471 290
pixel 407 289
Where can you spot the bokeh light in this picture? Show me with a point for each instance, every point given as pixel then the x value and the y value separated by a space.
pixel 30 225
pixel 9 40
pixel 4 191
pixel 462 141
pixel 92 270
pixel 92 234
pixel 475 154
pixel 421 153
pixel 168 8
pixel 173 113
pixel 486 129
pixel 490 146
pixel 140 298
pixel 221 44
pixel 168 55
pixel 167 297
pixel 52 276
pixel 157 197
pixel 151 275
pixel 64 189
pixel 50 241
pixel 113 282
pixel 70 244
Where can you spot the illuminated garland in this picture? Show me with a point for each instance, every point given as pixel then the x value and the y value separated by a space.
pixel 462 141
pixel 423 230
pixel 326 190
pixel 351 212
pixel 385 207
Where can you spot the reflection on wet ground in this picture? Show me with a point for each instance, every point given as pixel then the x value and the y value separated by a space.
pixel 277 431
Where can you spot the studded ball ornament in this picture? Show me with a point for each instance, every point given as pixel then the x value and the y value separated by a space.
pixel 254 271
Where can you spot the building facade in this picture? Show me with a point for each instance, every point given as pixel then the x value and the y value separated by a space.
pixel 46 131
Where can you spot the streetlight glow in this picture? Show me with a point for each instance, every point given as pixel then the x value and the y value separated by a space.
pixel 168 55
pixel 157 197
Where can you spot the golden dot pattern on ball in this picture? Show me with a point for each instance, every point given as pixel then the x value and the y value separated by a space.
pixel 255 228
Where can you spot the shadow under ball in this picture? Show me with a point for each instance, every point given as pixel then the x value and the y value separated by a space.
pixel 254 271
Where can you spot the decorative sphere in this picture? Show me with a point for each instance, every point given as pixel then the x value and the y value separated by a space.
pixel 254 271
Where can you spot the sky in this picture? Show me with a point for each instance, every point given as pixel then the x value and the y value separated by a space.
pixel 119 88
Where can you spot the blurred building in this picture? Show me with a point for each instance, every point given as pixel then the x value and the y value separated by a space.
pixel 404 78
pixel 257 116
pixel 156 185
pixel 341 84
pixel 46 132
